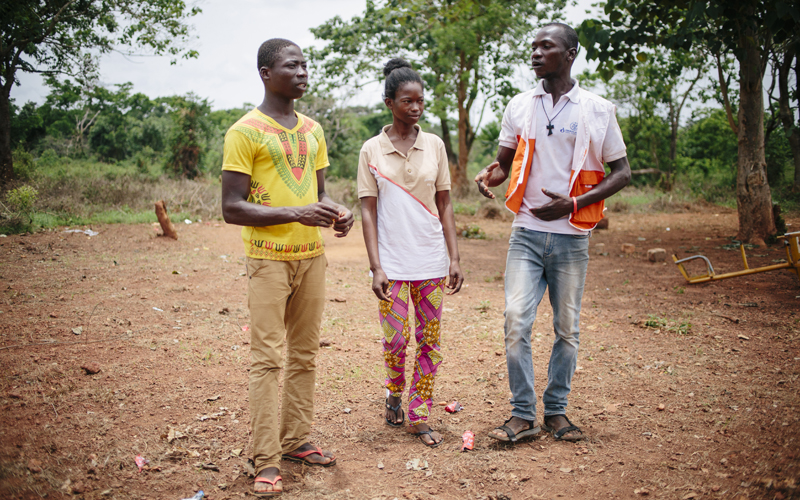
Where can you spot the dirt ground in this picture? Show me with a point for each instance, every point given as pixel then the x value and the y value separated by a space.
pixel 685 391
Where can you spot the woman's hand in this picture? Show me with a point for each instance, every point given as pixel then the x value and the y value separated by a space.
pixel 456 278
pixel 380 284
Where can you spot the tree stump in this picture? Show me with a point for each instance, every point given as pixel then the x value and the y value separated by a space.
pixel 163 219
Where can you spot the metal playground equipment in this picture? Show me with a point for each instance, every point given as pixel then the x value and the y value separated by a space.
pixel 791 242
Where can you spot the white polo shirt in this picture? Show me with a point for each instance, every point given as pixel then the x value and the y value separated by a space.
pixel 553 154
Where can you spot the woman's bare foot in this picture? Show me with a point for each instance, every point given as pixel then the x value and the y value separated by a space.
pixel 269 473
pixel 421 429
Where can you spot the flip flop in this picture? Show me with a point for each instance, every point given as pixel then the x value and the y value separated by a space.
pixel 429 432
pixel 511 436
pixel 267 494
pixel 558 435
pixel 395 409
pixel 301 458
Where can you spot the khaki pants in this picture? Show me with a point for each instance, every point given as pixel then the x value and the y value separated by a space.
pixel 286 300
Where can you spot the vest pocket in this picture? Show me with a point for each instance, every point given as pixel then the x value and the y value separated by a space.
pixel 588 216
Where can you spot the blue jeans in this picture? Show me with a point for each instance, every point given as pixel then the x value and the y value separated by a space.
pixel 538 261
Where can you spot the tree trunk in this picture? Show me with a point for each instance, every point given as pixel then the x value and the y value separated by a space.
pixel 723 87
pixel 786 114
pixel 452 158
pixel 6 160
pixel 459 174
pixel 796 186
pixel 753 197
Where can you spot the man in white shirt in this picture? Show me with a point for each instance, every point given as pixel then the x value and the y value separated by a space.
pixel 554 142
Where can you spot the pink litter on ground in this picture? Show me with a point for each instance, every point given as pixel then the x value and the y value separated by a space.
pixel 469 440
pixel 246 328
pixel 140 462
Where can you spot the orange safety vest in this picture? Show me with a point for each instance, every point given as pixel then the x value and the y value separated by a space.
pixel 587 163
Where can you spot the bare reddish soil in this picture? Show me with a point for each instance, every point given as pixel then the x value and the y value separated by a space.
pixel 686 391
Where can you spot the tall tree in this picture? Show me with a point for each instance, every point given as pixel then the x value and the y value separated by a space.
pixel 746 29
pixel 782 59
pixel 466 51
pixel 65 37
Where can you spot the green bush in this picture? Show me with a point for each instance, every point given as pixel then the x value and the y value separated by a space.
pixel 18 214
pixel 22 199
pixel 24 166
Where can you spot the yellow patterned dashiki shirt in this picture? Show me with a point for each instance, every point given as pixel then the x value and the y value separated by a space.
pixel 282 166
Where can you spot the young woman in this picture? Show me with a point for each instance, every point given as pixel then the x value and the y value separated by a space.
pixel 409 230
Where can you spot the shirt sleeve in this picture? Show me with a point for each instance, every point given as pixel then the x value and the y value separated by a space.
pixel 322 152
pixel 509 131
pixel 613 143
pixel 238 153
pixel 367 186
pixel 443 176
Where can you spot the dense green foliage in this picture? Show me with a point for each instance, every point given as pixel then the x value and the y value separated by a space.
pixel 66 37
pixel 748 33
pixel 466 52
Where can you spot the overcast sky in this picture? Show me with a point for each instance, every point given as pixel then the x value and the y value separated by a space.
pixel 228 35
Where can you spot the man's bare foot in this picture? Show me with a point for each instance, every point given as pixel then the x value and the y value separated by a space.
pixel 421 429
pixel 311 455
pixel 269 473
pixel 396 416
pixel 555 424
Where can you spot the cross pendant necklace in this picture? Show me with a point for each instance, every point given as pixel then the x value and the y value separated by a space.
pixel 550 125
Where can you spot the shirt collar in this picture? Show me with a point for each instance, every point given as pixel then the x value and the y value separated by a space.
pixel 386 144
pixel 573 95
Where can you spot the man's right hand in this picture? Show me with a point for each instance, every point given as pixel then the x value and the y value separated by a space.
pixel 490 176
pixel 317 215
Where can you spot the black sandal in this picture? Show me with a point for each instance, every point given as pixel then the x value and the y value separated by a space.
pixel 512 437
pixel 429 432
pixel 395 409
pixel 558 435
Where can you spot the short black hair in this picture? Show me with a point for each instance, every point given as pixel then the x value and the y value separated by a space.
pixel 568 34
pixel 269 50
pixel 397 72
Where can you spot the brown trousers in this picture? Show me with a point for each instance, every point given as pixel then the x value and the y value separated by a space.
pixel 286 300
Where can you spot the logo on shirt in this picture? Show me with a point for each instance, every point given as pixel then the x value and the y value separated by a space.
pixel 573 129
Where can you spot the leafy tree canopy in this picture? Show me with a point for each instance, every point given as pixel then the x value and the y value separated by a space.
pixel 466 51
pixel 67 36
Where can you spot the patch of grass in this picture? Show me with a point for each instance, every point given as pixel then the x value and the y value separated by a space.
pixel 472 232
pixel 85 192
pixel 465 207
pixel 498 276
pixel 654 321
pixel 484 306
pixel 670 325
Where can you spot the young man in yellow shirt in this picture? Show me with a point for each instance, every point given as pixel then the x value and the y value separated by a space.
pixel 273 184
